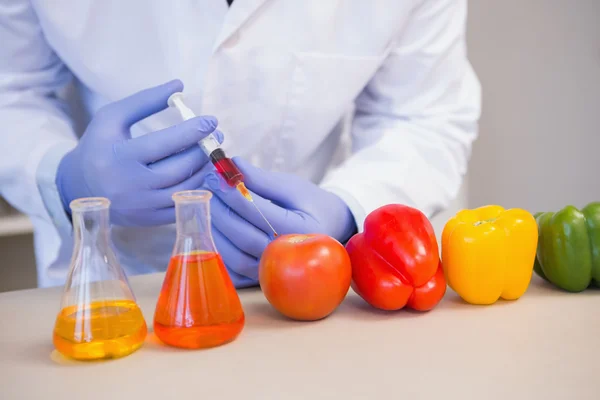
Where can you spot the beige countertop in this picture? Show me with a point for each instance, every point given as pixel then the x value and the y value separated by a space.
pixel 544 346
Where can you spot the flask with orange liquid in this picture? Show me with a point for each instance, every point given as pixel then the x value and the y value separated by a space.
pixel 99 316
pixel 198 306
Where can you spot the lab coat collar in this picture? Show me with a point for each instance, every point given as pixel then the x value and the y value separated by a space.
pixel 239 12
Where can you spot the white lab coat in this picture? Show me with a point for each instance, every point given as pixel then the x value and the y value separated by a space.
pixel 280 76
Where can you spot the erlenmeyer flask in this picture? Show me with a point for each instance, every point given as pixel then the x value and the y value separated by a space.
pixel 198 305
pixel 99 316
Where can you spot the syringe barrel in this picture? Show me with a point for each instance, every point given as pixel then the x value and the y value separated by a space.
pixel 209 144
pixel 226 168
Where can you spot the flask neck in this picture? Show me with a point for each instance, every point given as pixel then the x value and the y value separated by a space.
pixel 95 273
pixel 91 228
pixel 192 214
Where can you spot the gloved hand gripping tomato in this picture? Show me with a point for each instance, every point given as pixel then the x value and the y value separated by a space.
pixel 568 253
pixel 395 261
pixel 488 253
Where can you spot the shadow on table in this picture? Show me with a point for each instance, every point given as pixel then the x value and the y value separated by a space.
pixel 354 307
pixel 538 288
pixel 40 353
pixel 44 353
pixel 34 353
pixel 59 360
pixel 261 315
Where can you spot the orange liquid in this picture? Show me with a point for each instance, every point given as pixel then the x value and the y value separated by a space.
pixel 100 330
pixel 244 191
pixel 198 305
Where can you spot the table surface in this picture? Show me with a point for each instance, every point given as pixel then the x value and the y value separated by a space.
pixel 545 345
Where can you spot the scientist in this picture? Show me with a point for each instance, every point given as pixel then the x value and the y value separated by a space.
pixel 334 108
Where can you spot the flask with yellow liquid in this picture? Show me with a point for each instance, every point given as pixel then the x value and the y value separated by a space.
pixel 99 316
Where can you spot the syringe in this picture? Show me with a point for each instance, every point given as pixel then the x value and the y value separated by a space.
pixel 212 148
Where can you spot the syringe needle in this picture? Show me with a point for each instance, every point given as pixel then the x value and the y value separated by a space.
pixel 266 220
pixel 246 193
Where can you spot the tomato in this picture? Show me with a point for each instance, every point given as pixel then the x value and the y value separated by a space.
pixel 305 277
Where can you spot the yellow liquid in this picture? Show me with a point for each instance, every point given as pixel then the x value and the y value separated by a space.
pixel 100 330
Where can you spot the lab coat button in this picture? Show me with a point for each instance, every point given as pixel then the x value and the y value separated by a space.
pixel 232 40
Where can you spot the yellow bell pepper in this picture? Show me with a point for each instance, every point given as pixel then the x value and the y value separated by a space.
pixel 489 252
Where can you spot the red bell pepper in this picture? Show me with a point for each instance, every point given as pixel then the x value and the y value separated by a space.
pixel 395 260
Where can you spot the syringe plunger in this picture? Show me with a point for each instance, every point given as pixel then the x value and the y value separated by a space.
pixel 210 142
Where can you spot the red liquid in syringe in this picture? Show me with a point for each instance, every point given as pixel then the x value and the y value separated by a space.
pixel 226 168
pixel 234 178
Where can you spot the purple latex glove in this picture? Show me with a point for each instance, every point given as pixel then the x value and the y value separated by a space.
pixel 138 175
pixel 290 203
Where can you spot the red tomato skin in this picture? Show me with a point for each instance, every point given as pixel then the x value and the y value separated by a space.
pixel 395 260
pixel 305 277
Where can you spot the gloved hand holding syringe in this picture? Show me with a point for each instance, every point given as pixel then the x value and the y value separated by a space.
pixel 212 148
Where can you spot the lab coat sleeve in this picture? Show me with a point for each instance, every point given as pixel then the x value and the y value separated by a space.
pixel 415 121
pixel 36 128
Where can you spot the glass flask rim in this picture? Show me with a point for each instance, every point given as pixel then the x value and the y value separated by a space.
pixel 89 204
pixel 190 196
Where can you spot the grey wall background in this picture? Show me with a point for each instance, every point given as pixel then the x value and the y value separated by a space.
pixel 539 64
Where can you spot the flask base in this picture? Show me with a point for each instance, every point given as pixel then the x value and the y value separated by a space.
pixel 199 337
pixel 102 330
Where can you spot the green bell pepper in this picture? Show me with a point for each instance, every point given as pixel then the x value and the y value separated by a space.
pixel 568 253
